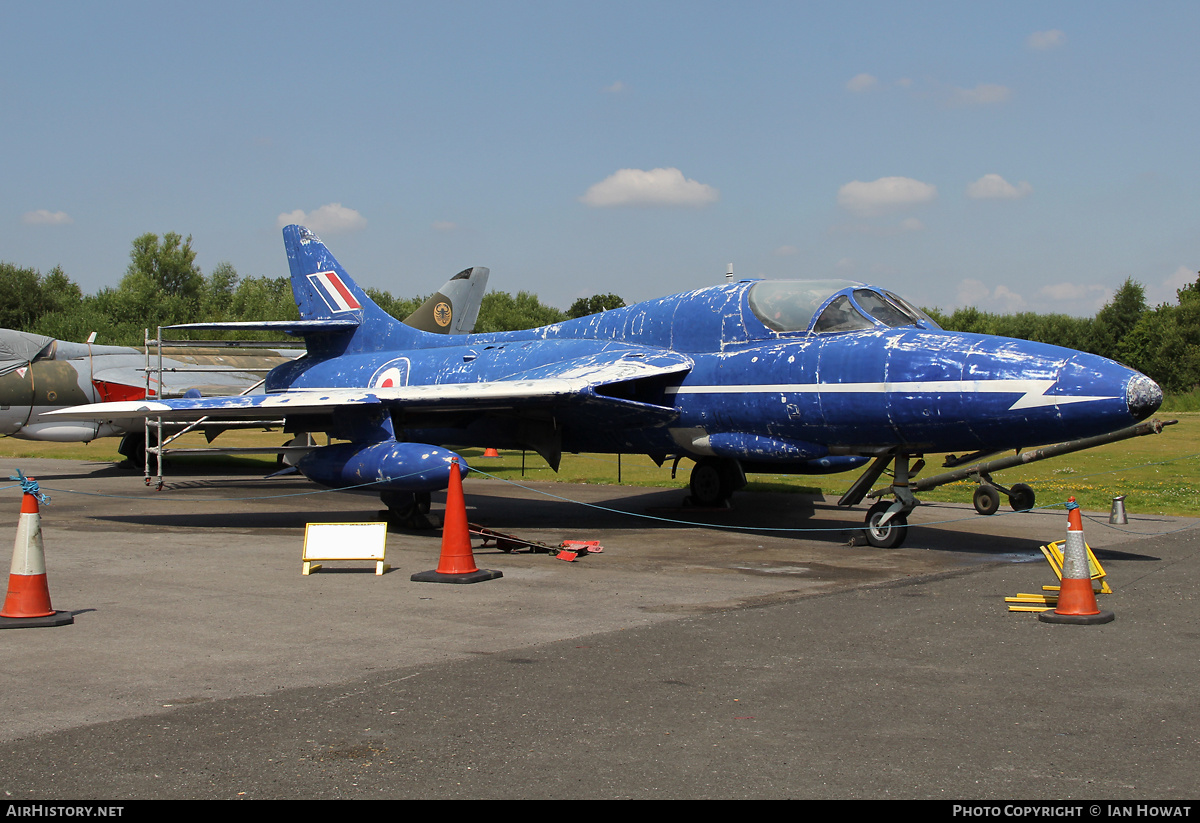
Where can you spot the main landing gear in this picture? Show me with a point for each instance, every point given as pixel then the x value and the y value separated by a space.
pixel 714 480
pixel 408 510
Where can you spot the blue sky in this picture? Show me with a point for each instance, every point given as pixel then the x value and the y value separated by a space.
pixel 1013 156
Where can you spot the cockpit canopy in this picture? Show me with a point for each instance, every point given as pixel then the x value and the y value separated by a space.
pixel 827 306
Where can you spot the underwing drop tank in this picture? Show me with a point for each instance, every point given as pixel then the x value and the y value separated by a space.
pixel 386 466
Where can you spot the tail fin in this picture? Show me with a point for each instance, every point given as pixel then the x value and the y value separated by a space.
pixel 455 306
pixel 324 291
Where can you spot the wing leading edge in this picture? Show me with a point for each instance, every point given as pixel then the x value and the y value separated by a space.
pixel 600 379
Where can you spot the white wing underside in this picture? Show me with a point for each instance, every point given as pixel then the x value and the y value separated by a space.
pixel 574 380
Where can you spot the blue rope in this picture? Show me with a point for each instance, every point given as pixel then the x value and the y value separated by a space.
pixel 30 486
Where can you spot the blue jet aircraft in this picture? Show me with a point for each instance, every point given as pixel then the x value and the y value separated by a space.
pixel 766 375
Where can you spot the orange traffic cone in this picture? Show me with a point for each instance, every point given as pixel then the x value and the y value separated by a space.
pixel 27 603
pixel 1076 600
pixel 490 453
pixel 457 563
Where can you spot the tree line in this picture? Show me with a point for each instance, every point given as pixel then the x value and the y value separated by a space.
pixel 1162 342
pixel 163 285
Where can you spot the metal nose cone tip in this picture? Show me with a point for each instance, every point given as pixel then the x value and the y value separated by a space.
pixel 1143 396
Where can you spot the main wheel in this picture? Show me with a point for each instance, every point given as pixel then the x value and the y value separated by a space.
pixel 986 499
pixel 424 502
pixel 888 535
pixel 1021 497
pixel 404 510
pixel 708 484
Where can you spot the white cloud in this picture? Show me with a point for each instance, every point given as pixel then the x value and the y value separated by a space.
pixel 911 224
pixel 45 217
pixel 1165 292
pixel 995 187
pixel 615 88
pixel 982 95
pixel 1069 298
pixel 1073 298
pixel 972 292
pixel 1059 291
pixel 786 251
pixel 884 195
pixel 1002 299
pixel 657 187
pixel 332 218
pixel 1182 276
pixel 861 82
pixel 1008 298
pixel 1045 40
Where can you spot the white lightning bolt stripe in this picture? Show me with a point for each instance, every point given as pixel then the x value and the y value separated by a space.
pixel 1033 392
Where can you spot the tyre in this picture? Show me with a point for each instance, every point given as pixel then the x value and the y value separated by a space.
pixel 707 484
pixel 1021 497
pixel 986 499
pixel 889 535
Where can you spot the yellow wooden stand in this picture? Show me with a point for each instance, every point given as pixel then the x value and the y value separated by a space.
pixel 1044 602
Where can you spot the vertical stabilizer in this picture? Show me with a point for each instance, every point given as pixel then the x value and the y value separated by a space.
pixel 455 306
pixel 324 291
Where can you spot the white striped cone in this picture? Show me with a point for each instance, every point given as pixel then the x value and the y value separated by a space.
pixel 1076 600
pixel 28 594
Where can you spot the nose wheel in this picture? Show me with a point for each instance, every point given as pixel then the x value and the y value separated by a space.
pixel 886 526
pixel 884 532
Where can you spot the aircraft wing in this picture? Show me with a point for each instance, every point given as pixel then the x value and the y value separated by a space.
pixel 604 379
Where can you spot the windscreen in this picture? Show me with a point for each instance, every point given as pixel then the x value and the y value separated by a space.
pixel 882 309
pixel 789 305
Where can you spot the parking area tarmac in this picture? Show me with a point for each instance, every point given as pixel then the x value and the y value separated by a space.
pixel 750 652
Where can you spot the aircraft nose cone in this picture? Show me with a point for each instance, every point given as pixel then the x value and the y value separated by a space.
pixel 1143 396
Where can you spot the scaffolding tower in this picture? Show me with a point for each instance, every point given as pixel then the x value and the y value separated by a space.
pixel 159 434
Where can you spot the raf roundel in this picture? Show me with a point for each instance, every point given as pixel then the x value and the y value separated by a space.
pixel 392 374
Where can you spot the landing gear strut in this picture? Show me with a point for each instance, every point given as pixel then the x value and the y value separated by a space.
pixel 887 521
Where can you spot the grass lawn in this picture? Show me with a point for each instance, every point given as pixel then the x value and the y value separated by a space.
pixel 1158 474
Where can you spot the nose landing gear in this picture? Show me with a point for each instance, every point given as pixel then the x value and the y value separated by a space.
pixel 887 520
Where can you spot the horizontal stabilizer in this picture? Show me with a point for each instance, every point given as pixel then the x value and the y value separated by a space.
pixel 294 327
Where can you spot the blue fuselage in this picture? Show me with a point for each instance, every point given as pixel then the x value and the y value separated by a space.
pixel 757 394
